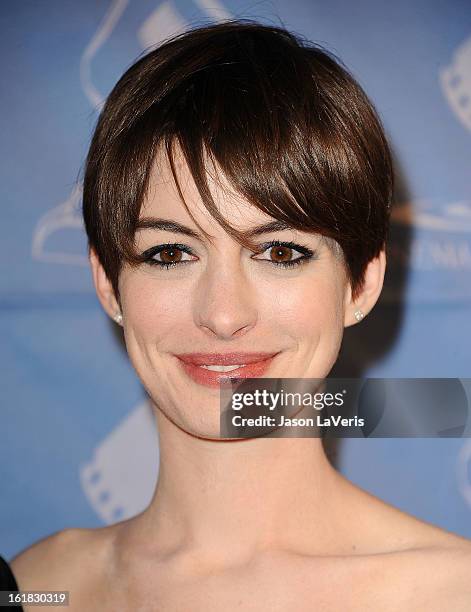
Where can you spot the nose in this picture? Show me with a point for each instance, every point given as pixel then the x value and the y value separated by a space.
pixel 225 303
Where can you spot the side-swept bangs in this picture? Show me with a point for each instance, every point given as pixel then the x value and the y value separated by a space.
pixel 291 130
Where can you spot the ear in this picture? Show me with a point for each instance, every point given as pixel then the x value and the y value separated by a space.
pixel 103 286
pixel 374 278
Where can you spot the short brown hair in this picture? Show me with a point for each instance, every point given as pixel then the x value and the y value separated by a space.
pixel 290 128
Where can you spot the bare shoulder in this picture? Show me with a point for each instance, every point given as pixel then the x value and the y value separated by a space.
pixel 450 556
pixel 413 564
pixel 443 575
pixel 433 576
pixel 60 561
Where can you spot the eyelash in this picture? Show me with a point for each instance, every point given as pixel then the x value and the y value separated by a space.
pixel 306 254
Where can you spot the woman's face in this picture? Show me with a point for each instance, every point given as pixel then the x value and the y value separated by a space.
pixel 203 302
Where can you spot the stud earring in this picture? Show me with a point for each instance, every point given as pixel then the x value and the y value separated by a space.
pixel 118 318
pixel 359 315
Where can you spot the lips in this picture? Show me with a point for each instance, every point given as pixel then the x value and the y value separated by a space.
pixel 252 365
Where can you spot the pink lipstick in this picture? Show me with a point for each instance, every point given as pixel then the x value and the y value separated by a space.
pixel 212 369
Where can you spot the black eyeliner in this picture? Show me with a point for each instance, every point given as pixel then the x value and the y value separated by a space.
pixel 292 245
pixel 308 253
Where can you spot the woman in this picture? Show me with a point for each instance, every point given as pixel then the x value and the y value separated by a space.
pixel 236 199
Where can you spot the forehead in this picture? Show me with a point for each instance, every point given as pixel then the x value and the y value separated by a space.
pixel 163 199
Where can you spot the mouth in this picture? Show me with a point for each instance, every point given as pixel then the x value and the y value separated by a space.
pixel 213 369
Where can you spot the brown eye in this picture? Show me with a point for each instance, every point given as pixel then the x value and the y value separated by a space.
pixel 281 254
pixel 170 255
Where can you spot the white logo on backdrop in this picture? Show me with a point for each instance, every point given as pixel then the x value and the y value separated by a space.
pixel 104 31
pixel 120 478
pixel 455 80
pixel 66 216
pixel 163 22
pixel 441 236
pixel 454 217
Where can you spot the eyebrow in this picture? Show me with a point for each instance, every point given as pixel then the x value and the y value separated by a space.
pixel 271 226
pixel 166 225
pixel 178 228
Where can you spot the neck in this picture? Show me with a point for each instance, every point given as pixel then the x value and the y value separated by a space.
pixel 237 498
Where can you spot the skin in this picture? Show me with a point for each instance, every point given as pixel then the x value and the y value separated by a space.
pixel 265 524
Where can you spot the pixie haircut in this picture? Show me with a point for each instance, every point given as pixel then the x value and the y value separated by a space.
pixel 291 130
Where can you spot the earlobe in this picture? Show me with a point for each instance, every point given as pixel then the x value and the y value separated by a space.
pixel 357 310
pixel 103 286
pixel 359 314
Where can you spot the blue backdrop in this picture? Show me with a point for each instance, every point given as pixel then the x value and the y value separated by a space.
pixel 78 444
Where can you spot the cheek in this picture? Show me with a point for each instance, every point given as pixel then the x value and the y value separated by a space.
pixel 309 308
pixel 153 309
pixel 311 315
